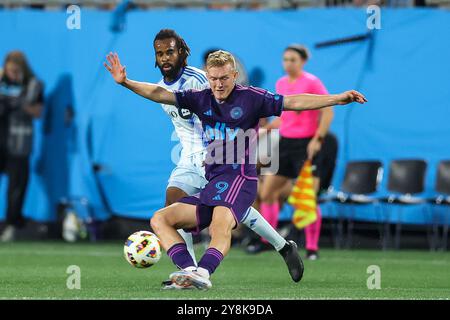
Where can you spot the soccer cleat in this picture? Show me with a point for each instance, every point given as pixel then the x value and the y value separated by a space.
pixel 169 285
pixel 312 255
pixel 9 234
pixel 293 260
pixel 185 279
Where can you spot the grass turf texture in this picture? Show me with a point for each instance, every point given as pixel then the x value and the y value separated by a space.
pixel 38 271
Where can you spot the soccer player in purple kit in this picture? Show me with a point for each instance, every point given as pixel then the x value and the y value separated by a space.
pixel 227 112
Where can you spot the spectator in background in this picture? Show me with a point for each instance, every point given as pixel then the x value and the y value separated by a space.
pixel 302 135
pixel 21 100
pixel 325 160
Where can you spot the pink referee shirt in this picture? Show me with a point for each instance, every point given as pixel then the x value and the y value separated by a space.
pixel 303 124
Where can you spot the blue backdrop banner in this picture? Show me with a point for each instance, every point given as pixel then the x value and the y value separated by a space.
pixel 402 68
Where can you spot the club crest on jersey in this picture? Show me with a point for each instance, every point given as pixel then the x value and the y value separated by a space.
pixel 184 113
pixel 236 112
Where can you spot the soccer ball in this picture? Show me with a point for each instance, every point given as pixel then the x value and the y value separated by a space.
pixel 142 249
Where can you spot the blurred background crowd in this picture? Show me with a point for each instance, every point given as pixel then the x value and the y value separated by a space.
pixel 223 4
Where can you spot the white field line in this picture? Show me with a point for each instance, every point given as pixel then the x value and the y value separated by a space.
pixel 48 252
pixel 119 253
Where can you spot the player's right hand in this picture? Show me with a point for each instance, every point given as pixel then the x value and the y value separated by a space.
pixel 351 96
pixel 117 71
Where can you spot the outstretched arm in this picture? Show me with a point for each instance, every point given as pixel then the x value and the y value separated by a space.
pixel 147 90
pixel 312 101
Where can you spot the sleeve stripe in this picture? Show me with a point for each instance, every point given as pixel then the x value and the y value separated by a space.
pixel 193 72
pixel 260 91
pixel 196 71
pixel 196 77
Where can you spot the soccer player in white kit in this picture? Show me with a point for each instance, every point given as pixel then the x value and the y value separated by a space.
pixel 188 177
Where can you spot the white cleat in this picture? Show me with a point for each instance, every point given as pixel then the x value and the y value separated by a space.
pixel 184 278
pixel 8 234
pixel 169 285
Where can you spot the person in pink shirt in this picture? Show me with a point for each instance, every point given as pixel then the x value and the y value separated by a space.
pixel 302 135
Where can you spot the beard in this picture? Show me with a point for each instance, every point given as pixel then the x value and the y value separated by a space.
pixel 173 72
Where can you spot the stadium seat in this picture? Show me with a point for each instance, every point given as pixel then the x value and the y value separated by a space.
pixel 442 189
pixel 406 180
pixel 361 179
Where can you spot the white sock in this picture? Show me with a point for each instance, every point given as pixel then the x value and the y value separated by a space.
pixel 203 272
pixel 255 221
pixel 187 237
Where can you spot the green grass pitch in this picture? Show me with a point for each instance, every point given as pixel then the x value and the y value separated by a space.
pixel 38 271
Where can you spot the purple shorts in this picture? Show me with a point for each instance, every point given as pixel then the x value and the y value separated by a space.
pixel 228 190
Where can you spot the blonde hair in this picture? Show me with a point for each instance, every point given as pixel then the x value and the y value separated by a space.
pixel 219 59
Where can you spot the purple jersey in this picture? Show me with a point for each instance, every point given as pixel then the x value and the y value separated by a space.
pixel 231 127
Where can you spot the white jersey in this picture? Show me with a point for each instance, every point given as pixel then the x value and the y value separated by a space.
pixel 187 125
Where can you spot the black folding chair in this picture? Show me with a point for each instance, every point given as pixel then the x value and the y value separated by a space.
pixel 406 179
pixel 361 179
pixel 442 188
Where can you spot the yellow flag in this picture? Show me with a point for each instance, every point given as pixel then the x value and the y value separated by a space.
pixel 303 198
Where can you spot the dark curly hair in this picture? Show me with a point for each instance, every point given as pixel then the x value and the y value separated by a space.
pixel 181 44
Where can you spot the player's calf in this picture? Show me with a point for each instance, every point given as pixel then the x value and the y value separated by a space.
pixel 222 223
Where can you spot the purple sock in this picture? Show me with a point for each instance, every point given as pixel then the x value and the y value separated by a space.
pixel 211 260
pixel 180 256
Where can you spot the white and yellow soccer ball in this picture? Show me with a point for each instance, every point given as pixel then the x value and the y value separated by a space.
pixel 142 249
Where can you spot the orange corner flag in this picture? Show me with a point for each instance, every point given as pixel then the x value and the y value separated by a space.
pixel 303 198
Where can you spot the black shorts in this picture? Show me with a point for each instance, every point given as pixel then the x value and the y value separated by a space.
pixel 293 154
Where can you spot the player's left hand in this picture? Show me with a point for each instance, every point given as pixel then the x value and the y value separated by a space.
pixel 351 96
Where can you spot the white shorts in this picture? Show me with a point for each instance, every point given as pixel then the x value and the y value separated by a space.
pixel 189 174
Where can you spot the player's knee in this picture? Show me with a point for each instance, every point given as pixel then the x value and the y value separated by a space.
pixel 158 220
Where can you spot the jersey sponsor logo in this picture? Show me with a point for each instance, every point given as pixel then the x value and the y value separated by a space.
pixel 236 113
pixel 221 132
pixel 184 113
